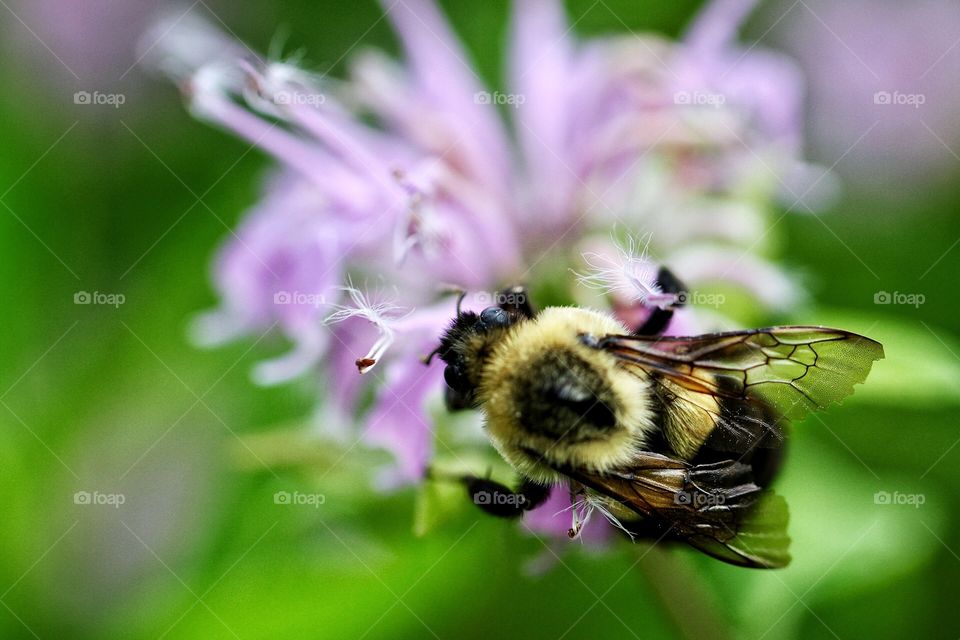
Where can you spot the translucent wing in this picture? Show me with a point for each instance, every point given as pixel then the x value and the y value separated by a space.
pixel 742 384
pixel 791 369
pixel 714 507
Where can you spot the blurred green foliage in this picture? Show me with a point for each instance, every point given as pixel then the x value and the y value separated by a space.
pixel 115 400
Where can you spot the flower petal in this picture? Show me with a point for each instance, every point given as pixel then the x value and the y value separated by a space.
pixel 541 55
pixel 451 86
pixel 400 423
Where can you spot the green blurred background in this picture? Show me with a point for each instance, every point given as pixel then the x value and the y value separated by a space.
pixel 115 400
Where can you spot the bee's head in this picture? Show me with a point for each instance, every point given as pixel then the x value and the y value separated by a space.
pixel 464 349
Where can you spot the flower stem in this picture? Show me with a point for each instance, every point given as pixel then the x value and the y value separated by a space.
pixel 690 605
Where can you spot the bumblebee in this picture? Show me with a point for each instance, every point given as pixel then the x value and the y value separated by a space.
pixel 672 438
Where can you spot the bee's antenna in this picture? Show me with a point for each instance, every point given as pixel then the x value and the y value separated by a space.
pixel 452 288
pixel 427 359
pixel 461 294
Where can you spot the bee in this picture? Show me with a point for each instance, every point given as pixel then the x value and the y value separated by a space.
pixel 672 438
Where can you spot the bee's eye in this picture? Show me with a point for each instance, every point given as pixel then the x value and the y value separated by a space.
pixel 453 376
pixel 494 317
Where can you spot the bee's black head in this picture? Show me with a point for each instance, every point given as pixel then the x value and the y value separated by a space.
pixel 464 348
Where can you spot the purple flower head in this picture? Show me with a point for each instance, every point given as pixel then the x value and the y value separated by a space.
pixel 684 143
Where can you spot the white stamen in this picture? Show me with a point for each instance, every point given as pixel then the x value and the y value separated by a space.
pixel 582 510
pixel 580 513
pixel 381 314
pixel 630 273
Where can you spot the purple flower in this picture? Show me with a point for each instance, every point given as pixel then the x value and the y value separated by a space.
pixel 683 142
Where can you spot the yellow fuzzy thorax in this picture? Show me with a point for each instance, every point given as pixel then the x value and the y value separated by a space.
pixel 514 358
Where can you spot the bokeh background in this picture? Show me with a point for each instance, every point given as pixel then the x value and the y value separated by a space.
pixel 130 200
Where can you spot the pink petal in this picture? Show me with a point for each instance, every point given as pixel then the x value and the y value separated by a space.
pixel 541 57
pixel 399 421
pixel 450 84
pixel 716 25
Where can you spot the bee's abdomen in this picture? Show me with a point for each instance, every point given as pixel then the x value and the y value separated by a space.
pixel 565 398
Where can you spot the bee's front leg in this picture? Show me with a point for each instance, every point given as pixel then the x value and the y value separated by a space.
pixel 516 302
pixel 660 318
pixel 499 500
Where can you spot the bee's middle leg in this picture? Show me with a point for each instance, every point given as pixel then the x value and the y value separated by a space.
pixel 516 302
pixel 659 318
pixel 501 501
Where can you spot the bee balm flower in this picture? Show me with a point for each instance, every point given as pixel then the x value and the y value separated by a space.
pixel 685 141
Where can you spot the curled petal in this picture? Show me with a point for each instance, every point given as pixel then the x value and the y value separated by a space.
pixel 382 315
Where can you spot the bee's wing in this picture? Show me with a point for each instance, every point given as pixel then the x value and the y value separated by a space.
pixel 714 507
pixel 756 376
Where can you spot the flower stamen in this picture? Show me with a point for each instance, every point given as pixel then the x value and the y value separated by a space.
pixel 582 509
pixel 381 314
pixel 630 273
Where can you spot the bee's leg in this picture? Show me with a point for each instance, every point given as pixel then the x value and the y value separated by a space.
pixel 660 318
pixel 499 500
pixel 515 302
pixel 645 529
